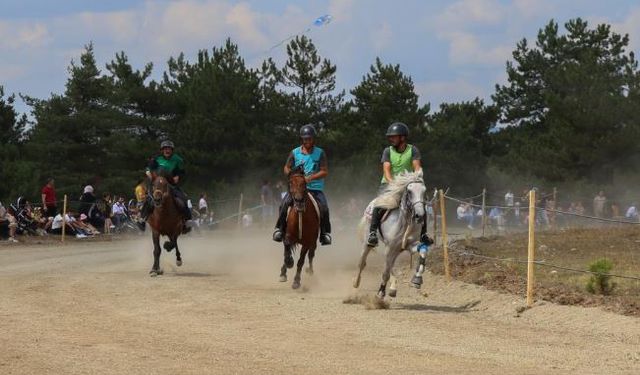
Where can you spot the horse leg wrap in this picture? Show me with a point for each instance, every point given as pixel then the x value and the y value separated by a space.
pixel 382 291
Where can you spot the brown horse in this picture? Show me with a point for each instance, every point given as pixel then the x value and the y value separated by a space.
pixel 165 220
pixel 303 226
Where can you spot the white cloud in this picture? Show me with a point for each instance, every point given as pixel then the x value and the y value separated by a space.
pixel 23 35
pixel 466 12
pixel 341 10
pixel 437 92
pixel 382 37
pixel 11 72
pixel 630 25
pixel 465 48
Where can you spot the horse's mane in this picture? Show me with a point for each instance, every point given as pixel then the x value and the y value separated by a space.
pixel 390 197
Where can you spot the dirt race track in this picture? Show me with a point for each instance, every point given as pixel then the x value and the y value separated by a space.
pixel 91 308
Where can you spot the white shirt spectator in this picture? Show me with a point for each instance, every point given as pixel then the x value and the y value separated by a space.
pixel 57 221
pixel 632 212
pixel 508 199
pixel 202 204
pixel 189 204
pixel 118 208
pixel 461 211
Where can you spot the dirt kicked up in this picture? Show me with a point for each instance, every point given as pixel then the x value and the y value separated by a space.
pixel 91 308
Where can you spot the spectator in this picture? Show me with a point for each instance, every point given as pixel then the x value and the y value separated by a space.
pixel 49 201
pixel 599 204
pixel 87 200
pixel 104 207
pixel 615 210
pixel 247 220
pixel 119 212
pixel 8 220
pixel 203 207
pixel 280 187
pixel 465 214
pixel 579 208
pixel 632 212
pixel 266 196
pixel 58 222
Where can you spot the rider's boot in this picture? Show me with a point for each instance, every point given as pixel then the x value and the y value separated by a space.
pixel 424 238
pixel 376 216
pixel 278 234
pixel 188 220
pixel 145 211
pixel 325 229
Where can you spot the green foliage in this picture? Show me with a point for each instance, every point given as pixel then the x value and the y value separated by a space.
pixel 572 102
pixel 600 283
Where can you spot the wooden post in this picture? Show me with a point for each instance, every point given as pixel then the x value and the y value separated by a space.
pixel 445 245
pixel 240 211
pixel 64 217
pixel 434 205
pixel 531 250
pixel 484 210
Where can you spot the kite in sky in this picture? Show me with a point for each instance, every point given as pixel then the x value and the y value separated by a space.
pixel 318 22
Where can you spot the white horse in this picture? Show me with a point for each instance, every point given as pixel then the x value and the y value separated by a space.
pixel 404 197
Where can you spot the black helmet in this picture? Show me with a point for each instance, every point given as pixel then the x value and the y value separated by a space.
pixel 167 143
pixel 308 131
pixel 397 128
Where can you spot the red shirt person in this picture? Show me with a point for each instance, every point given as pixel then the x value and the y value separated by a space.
pixel 49 198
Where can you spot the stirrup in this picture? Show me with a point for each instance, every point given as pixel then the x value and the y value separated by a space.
pixel 325 239
pixel 277 235
pixel 373 239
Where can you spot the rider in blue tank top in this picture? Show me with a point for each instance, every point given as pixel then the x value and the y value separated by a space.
pixel 314 162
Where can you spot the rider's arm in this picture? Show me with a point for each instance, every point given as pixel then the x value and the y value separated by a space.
pixel 178 171
pixel 416 159
pixel 324 169
pixel 44 201
pixel 386 169
pixel 151 166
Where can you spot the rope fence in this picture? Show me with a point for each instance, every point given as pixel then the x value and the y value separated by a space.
pixel 530 214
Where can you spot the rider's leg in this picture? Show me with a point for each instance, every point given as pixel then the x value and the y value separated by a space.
pixel 424 238
pixel 278 234
pixel 181 201
pixel 325 223
pixel 376 217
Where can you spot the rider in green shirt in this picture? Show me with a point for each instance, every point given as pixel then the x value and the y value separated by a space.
pixel 172 165
pixel 397 158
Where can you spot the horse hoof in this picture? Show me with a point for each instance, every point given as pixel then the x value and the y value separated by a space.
pixel 178 263
pixel 356 282
pixel 416 282
pixel 309 271
pixel 153 274
pixel 380 295
pixel 160 272
pixel 393 293
pixel 295 285
pixel 288 261
pixel 283 278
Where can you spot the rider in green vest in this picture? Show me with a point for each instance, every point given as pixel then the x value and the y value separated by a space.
pixel 171 165
pixel 397 158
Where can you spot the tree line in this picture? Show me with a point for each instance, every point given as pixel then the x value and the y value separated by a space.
pixel 568 114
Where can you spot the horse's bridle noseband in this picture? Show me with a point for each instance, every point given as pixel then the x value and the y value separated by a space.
pixel 410 206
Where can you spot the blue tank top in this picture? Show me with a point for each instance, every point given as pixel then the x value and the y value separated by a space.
pixel 311 165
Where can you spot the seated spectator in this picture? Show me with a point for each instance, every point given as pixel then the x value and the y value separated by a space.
pixel 632 212
pixel 87 200
pixel 58 222
pixel 83 224
pixel 8 220
pixel 465 214
pixel 119 212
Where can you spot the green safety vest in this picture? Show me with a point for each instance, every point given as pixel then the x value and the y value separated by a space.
pixel 400 161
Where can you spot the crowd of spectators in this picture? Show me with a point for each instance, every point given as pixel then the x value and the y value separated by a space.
pixel 88 215
pixel 513 211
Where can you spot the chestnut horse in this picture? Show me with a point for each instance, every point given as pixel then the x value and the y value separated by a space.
pixel 165 220
pixel 303 227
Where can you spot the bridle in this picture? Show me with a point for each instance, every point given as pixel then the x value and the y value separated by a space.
pixel 408 206
pixel 298 203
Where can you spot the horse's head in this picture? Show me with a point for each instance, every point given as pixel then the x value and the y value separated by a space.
pixel 298 187
pixel 414 200
pixel 160 190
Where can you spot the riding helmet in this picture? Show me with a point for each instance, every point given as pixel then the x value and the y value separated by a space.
pixel 398 128
pixel 308 131
pixel 167 143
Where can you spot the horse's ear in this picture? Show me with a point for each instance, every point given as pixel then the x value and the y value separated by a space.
pixel 420 173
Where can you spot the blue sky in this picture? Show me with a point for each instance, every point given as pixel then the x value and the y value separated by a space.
pixel 454 50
